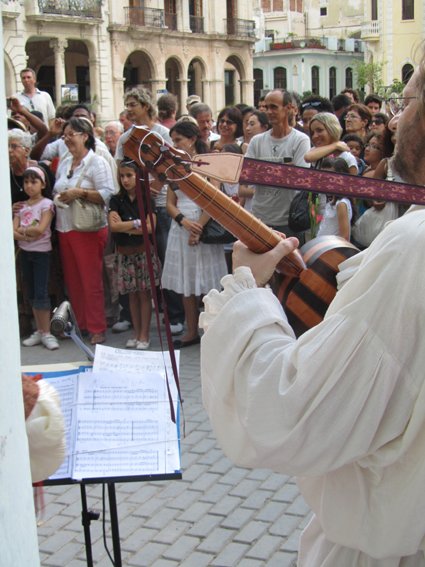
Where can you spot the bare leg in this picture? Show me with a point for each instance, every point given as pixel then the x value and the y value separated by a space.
pixel 145 302
pixel 191 311
pixel 42 319
pixel 135 310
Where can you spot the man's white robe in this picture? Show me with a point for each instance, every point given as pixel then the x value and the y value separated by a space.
pixel 342 407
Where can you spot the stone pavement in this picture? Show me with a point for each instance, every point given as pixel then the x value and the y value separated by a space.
pixel 218 514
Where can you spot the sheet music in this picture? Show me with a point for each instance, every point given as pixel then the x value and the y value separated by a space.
pixel 66 387
pixel 123 426
pixel 109 359
pixel 117 417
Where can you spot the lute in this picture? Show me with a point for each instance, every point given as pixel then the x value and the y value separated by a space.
pixel 305 289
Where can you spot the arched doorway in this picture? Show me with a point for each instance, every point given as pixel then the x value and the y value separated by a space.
pixel 138 70
pixel 195 76
pixel 233 75
pixel 174 72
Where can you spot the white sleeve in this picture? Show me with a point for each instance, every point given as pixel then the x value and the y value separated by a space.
pixel 46 433
pixel 303 406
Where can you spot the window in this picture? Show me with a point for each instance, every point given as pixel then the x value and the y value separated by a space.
pixel 323 11
pixel 374 10
pixel 315 79
pixel 279 77
pixel 296 6
pixel 408 10
pixel 332 82
pixel 406 73
pixel 258 85
pixel 348 78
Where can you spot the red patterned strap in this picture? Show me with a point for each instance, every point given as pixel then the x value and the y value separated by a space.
pixel 300 178
pixel 232 168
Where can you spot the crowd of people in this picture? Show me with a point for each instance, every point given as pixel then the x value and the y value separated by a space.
pixel 63 164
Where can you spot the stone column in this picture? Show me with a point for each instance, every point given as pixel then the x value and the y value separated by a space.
pixel 59 46
pixel 247 91
pixel 183 95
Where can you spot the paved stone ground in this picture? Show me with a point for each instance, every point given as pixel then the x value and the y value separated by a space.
pixel 218 514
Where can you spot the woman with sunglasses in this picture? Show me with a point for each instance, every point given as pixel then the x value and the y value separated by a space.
pixel 229 128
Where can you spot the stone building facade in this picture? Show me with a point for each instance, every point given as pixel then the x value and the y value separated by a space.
pixel 202 47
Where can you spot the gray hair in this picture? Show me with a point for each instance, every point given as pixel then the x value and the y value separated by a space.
pixel 199 107
pixel 143 96
pixel 115 124
pixel 24 138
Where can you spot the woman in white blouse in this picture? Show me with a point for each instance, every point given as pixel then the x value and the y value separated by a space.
pixel 87 176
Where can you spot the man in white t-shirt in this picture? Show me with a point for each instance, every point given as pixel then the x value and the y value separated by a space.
pixel 34 99
pixel 282 144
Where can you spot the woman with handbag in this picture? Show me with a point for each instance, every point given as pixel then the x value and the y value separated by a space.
pixel 82 190
pixel 191 267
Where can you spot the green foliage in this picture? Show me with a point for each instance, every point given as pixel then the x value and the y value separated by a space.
pixel 396 87
pixel 369 74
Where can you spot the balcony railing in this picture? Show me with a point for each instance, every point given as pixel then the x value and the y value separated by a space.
pixel 170 21
pixel 307 43
pixel 197 24
pixel 240 28
pixel 146 17
pixel 371 30
pixel 83 8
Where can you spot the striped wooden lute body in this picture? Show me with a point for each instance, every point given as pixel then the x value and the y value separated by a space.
pixel 174 167
pixel 307 297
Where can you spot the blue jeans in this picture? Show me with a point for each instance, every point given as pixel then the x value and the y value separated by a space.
pixel 35 272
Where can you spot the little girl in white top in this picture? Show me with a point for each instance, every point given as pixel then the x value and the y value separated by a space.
pixel 31 229
pixel 338 210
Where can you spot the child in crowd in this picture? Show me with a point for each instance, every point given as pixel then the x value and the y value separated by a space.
pixel 31 229
pixel 131 264
pixel 356 145
pixel 338 211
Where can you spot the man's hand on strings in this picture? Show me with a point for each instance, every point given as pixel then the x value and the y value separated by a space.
pixel 262 265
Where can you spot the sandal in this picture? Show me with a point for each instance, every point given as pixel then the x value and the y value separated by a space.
pixel 97 339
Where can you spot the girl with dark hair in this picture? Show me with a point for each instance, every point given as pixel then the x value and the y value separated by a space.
pixel 191 268
pixel 86 176
pixel 229 127
pixel 131 266
pixel 31 229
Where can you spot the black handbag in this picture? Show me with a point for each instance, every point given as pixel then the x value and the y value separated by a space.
pixel 214 233
pixel 299 212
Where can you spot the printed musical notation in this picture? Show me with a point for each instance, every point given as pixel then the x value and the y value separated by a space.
pixel 118 416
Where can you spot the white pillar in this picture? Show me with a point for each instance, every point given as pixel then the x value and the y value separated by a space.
pixel 18 533
pixel 59 46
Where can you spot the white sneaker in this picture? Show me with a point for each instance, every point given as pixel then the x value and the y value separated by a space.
pixel 33 340
pixel 121 326
pixel 176 328
pixel 131 343
pixel 50 342
pixel 142 345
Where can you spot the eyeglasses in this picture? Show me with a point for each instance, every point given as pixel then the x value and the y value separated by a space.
pixel 374 147
pixel 70 135
pixel 15 146
pixel 377 121
pixel 224 121
pixel 312 104
pixel 398 103
pixel 351 116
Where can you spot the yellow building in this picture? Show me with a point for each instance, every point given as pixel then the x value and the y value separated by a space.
pixel 393 30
